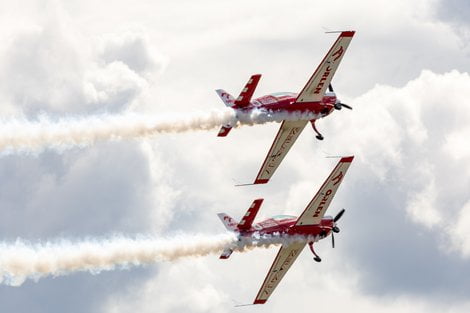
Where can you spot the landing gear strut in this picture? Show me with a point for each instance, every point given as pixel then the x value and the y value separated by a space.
pixel 316 258
pixel 319 136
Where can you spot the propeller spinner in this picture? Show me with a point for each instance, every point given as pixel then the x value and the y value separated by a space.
pixel 338 105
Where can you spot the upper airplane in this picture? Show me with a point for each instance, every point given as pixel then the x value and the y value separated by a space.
pixel 316 100
pixel 311 226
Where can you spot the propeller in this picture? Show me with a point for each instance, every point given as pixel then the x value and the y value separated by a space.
pixel 339 215
pixel 335 228
pixel 338 105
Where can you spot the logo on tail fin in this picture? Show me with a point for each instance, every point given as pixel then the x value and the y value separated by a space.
pixel 227 98
pixel 228 221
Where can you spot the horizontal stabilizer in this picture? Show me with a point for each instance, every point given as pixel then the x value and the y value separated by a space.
pixel 244 98
pixel 247 220
pixel 226 254
pixel 224 130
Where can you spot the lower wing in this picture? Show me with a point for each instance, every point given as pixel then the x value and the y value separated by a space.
pixel 284 140
pixel 284 260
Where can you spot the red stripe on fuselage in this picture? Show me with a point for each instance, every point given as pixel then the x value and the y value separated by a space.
pixel 287 104
pixel 287 226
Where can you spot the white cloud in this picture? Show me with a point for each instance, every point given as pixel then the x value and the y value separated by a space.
pixel 408 134
pixel 459 231
pixel 422 207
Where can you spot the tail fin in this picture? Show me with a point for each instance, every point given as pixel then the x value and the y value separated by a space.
pixel 229 101
pixel 244 98
pixel 228 222
pixel 227 98
pixel 242 101
pixel 245 223
pixel 250 215
pixel 231 225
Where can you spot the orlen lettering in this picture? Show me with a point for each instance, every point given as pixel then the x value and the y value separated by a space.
pixel 285 145
pixel 320 84
pixel 322 203
pixel 337 54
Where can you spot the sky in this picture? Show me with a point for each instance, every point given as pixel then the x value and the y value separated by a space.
pixel 404 244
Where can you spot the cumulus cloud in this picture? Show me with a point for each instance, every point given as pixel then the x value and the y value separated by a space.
pixel 52 67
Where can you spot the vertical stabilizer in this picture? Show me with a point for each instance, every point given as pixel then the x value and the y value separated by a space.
pixel 227 98
pixel 228 222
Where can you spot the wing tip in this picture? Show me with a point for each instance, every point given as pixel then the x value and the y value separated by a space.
pixel 260 181
pixel 347 159
pixel 348 33
pixel 259 301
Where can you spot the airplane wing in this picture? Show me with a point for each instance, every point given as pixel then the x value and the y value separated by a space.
pixel 284 140
pixel 316 209
pixel 284 260
pixel 321 78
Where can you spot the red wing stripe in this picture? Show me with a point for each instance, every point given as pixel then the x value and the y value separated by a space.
pixel 347 33
pixel 348 159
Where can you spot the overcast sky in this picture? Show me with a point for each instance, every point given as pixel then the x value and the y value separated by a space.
pixel 405 239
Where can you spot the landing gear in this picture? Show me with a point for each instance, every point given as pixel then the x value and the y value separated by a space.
pixel 316 258
pixel 318 136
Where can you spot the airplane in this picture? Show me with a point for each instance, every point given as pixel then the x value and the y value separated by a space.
pixel 311 225
pixel 314 102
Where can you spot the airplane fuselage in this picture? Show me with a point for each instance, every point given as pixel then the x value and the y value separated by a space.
pixel 285 103
pixel 286 226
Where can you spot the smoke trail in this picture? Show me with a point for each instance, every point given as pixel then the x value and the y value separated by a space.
pixel 22 260
pixel 27 135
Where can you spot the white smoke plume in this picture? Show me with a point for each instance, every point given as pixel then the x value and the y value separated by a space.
pixel 24 135
pixel 22 260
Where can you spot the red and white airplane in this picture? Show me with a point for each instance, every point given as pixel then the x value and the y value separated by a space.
pixel 313 102
pixel 311 225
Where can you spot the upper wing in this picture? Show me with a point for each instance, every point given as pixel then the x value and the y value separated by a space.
pixel 284 259
pixel 321 78
pixel 284 140
pixel 317 207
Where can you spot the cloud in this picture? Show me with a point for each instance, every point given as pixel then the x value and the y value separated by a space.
pixel 52 67
pixel 405 130
pixel 455 12
pixel 48 65
pixel 401 195
pixel 406 185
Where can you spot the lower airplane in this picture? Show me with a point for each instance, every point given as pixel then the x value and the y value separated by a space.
pixel 312 225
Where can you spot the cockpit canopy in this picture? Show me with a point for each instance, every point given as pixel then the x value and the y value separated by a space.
pixel 283 94
pixel 283 217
